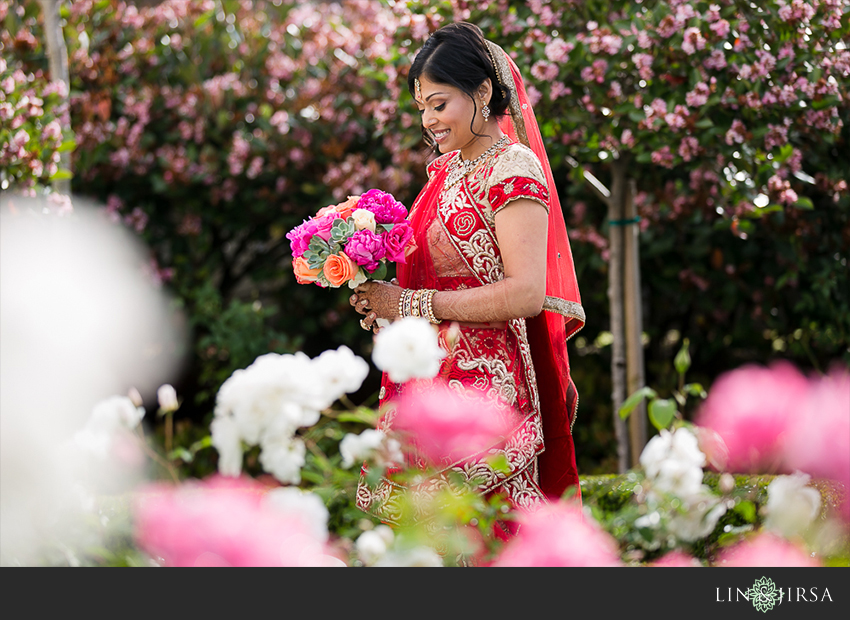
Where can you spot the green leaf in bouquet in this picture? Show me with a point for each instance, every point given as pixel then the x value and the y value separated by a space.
pixel 380 271
pixel 661 412
pixel 342 230
pixel 314 259
pixel 319 245
pixel 387 227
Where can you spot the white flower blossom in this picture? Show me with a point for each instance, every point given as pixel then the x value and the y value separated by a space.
pixel 673 462
pixel 256 395
pixel 373 544
pixel 408 349
pixel 791 505
pixel 108 418
pixel 339 372
pixel 364 219
pixel 227 440
pixel 115 412
pixel 267 402
pixel 166 396
pixel 359 278
pixel 283 458
pixel 304 505
pixel 370 443
pixel 699 516
pixel 423 557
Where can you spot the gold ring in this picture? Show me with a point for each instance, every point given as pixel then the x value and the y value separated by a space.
pixel 363 325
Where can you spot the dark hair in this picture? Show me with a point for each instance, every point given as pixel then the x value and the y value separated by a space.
pixel 457 55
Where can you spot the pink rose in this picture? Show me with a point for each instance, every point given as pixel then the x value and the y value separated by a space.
pixel 446 425
pixel 752 409
pixel 366 249
pixel 765 550
pixel 325 223
pixel 818 441
pixel 397 241
pixel 559 535
pixel 300 236
pixel 386 208
pixel 223 521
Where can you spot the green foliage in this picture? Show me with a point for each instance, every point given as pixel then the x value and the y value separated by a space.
pixel 213 132
pixel 616 501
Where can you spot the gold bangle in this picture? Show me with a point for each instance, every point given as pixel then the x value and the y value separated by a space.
pixel 429 305
pixel 401 302
pixel 414 303
pixel 408 294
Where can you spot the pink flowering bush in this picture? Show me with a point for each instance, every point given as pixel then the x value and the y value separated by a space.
pixel 559 535
pixel 752 410
pixel 34 117
pixel 776 419
pixel 446 426
pixel 212 129
pixel 766 550
pixel 224 522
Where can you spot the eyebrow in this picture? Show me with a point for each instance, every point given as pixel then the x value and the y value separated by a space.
pixel 433 95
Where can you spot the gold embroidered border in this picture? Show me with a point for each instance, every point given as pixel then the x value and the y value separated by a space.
pixel 564 307
pixel 503 72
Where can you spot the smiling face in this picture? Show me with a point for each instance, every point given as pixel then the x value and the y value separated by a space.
pixel 447 113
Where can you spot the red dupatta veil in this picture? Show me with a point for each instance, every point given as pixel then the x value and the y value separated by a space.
pixel 562 314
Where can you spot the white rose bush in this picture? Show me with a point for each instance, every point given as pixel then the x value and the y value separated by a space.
pixel 290 446
pixel 755 473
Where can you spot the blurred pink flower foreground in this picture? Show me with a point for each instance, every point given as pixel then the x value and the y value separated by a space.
pixel 751 409
pixel 776 419
pixel 765 550
pixel 449 425
pixel 223 521
pixel 818 442
pixel 559 535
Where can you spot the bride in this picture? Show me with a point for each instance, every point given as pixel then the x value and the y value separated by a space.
pixel 493 257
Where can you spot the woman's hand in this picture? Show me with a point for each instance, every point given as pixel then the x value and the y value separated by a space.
pixel 376 300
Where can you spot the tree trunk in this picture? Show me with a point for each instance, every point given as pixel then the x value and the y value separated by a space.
pixel 57 54
pixel 616 298
pixel 633 321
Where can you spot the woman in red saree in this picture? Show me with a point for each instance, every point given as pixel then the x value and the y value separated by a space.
pixel 480 224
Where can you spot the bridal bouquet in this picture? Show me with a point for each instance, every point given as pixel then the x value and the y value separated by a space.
pixel 351 242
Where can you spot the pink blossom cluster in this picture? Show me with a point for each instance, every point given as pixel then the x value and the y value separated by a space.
pixel 558 50
pixel 224 521
pixel 776 419
pixel 445 425
pixel 559 535
pixel 386 208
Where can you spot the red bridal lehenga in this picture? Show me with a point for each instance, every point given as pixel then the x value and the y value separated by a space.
pixel 522 363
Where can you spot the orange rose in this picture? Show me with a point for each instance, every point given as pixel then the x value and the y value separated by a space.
pixel 339 269
pixel 303 273
pixel 345 209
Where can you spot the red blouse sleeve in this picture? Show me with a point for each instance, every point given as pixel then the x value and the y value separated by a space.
pixel 501 194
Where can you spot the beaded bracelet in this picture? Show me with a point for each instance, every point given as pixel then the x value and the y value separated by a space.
pixel 408 303
pixel 404 302
pixel 429 308
pixel 423 303
pixel 414 303
pixel 401 302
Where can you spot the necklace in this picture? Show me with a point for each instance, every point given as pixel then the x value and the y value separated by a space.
pixel 463 166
